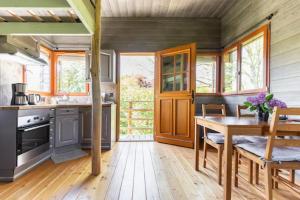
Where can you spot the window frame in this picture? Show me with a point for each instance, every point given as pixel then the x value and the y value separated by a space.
pixel 55 58
pixel 266 61
pixel 43 93
pixel 218 77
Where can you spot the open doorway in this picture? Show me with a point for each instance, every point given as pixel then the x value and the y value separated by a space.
pixel 137 96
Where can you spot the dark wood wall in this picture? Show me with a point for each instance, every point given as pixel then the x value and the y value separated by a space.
pixel 285 42
pixel 154 34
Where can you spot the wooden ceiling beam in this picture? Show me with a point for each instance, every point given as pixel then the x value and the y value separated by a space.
pixel 86 13
pixel 33 14
pixel 38 28
pixel 54 16
pixel 34 4
pixel 17 17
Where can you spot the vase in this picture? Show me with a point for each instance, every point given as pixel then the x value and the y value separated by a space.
pixel 263 116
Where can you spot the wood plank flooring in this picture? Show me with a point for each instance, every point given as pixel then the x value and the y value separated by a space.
pixel 132 170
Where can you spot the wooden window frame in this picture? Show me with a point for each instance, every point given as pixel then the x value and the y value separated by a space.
pixel 43 93
pixel 55 57
pixel 266 62
pixel 218 73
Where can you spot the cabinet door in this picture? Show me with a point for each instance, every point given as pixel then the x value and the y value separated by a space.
pixel 106 129
pixel 86 126
pixel 108 66
pixel 66 130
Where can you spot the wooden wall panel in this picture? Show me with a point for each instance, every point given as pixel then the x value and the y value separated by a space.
pixel 154 34
pixel 285 42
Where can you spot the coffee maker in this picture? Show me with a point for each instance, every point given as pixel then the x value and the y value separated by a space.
pixel 19 96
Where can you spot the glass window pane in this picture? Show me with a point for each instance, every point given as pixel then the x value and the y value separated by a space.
pixel 230 71
pixel 38 76
pixel 167 83
pixel 167 64
pixel 252 68
pixel 181 62
pixel 206 74
pixel 70 70
pixel 181 82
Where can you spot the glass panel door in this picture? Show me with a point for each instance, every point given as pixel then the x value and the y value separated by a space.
pixel 174 72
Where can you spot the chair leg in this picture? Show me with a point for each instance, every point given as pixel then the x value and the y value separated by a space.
pixel 204 153
pixel 220 166
pixel 250 171
pixel 256 173
pixel 236 168
pixel 268 181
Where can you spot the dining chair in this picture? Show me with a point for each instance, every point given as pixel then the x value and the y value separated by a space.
pixel 277 152
pixel 242 112
pixel 216 140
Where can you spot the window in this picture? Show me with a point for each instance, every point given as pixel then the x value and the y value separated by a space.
pixel 38 77
pixel 174 72
pixel 252 65
pixel 206 73
pixel 70 74
pixel 245 65
pixel 230 71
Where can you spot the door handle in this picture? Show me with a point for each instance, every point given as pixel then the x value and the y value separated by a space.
pixel 193 96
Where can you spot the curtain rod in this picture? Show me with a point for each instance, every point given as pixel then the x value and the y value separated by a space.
pixel 268 18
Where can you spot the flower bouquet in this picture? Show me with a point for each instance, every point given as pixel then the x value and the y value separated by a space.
pixel 263 104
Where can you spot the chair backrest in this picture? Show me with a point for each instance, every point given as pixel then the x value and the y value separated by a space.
pixel 214 110
pixel 239 113
pixel 283 128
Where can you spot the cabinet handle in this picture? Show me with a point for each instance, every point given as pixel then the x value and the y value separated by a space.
pixel 193 96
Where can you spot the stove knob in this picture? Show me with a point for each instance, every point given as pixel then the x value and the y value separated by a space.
pixel 28 121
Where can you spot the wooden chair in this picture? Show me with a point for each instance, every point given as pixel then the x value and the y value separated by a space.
pixel 240 114
pixel 276 153
pixel 209 139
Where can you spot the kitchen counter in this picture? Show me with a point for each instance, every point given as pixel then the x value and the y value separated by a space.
pixel 40 106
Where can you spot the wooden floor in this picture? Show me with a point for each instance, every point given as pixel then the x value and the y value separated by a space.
pixel 136 137
pixel 132 170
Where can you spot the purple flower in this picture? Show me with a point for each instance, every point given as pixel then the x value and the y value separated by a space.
pixel 275 102
pixel 253 100
pixel 261 98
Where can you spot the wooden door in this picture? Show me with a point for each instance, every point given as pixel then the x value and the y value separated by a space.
pixel 174 95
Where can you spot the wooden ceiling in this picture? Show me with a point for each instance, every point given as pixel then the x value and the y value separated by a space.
pixel 166 8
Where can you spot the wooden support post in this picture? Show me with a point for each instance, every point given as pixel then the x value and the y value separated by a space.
pixel 96 93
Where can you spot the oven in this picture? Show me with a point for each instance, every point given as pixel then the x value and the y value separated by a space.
pixel 32 137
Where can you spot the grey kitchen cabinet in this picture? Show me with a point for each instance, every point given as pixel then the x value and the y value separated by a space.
pixel 66 127
pixel 108 127
pixel 108 66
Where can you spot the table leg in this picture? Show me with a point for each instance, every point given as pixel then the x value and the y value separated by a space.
pixel 228 165
pixel 196 146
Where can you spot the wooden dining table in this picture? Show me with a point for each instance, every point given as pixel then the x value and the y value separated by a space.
pixel 229 126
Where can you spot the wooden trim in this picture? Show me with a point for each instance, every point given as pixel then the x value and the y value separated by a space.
pixel 266 57
pixel 118 54
pixel 55 57
pixel 218 73
pixel 43 93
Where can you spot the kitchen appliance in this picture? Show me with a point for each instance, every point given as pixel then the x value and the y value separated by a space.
pixel 22 49
pixel 33 136
pixel 19 96
pixel 34 99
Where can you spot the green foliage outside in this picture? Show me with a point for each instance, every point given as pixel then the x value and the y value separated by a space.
pixel 137 78
pixel 71 76
pixel 131 90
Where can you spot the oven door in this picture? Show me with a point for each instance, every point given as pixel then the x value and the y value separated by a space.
pixel 31 142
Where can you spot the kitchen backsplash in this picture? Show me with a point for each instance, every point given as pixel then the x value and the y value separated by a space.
pixel 10 72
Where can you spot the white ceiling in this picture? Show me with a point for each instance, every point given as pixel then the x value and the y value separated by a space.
pixel 165 8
